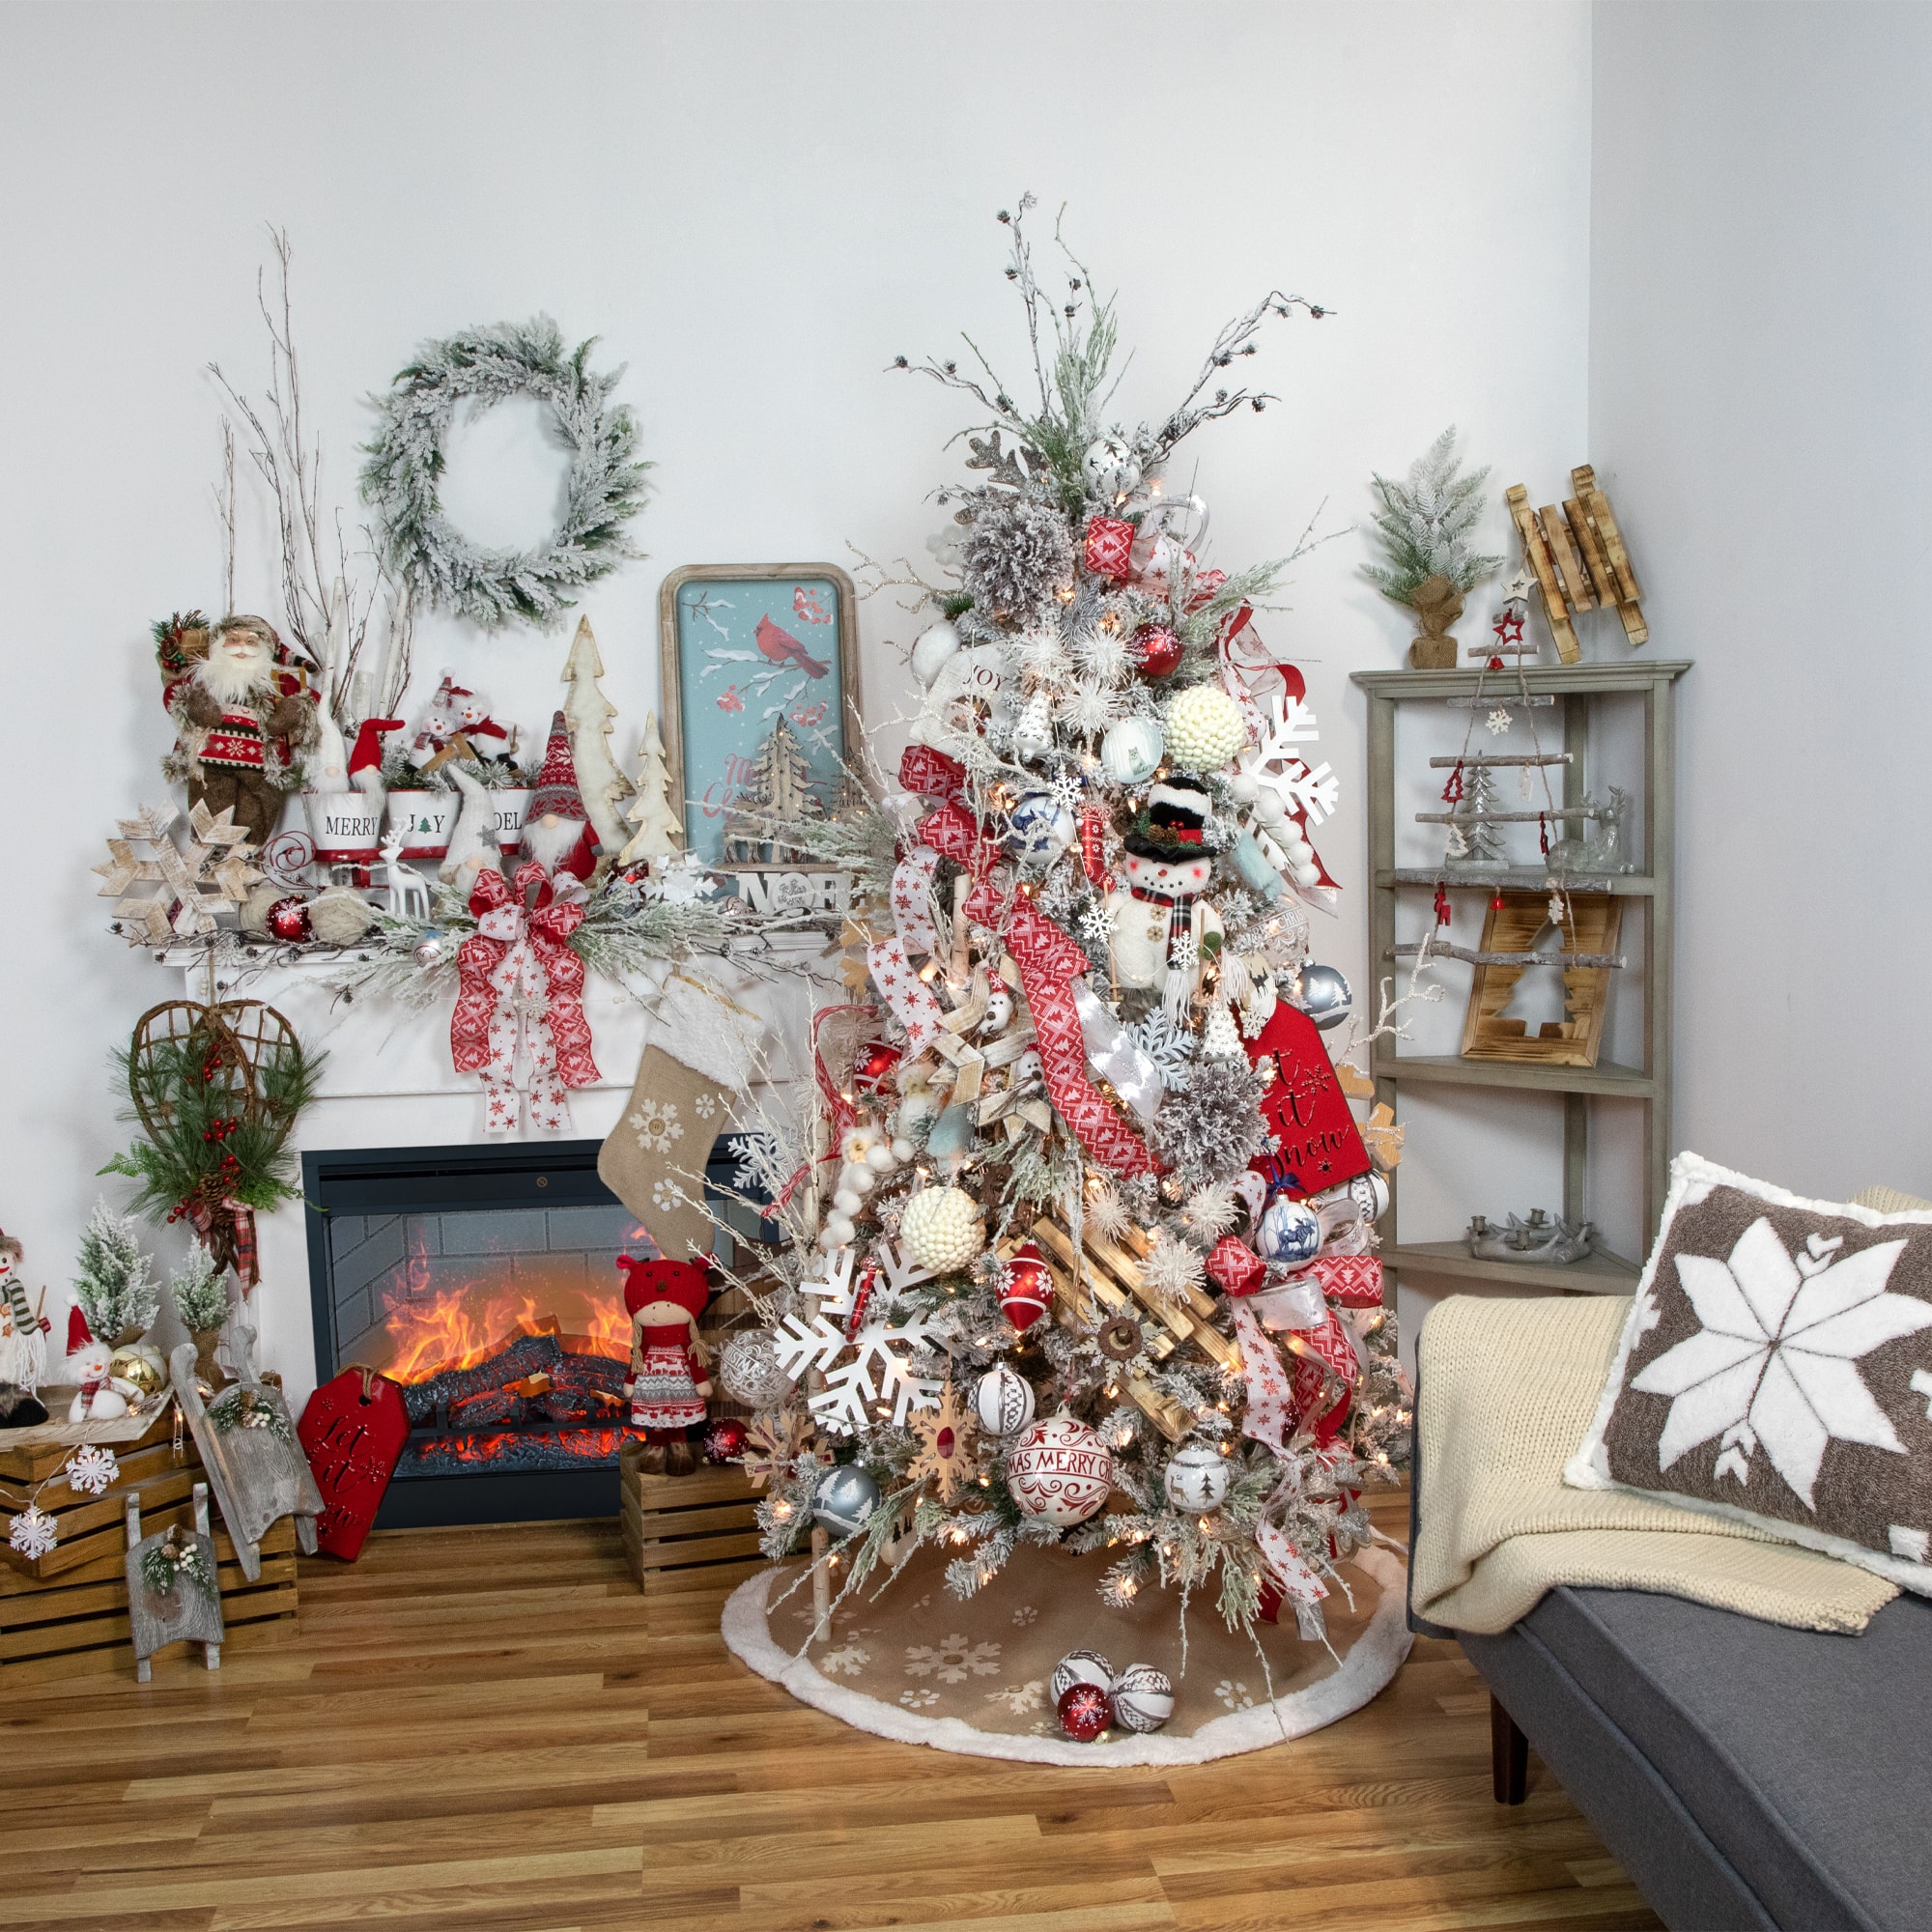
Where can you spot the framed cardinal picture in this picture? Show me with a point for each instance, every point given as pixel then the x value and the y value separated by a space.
pixel 760 664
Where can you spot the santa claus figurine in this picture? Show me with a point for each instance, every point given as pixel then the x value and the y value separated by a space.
pixel 242 712
pixel 665 1299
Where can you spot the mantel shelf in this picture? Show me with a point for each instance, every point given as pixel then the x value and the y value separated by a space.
pixel 1596 1273
pixel 1518 879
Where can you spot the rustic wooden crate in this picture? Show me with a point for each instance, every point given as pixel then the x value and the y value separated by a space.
pixel 695 1532
pixel 66 1613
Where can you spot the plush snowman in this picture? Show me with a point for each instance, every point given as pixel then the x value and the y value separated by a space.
pixel 1167 867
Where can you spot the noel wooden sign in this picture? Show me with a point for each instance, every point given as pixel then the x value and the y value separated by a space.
pixel 782 888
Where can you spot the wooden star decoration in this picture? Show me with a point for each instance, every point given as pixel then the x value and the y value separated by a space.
pixel 188 886
pixel 943 1458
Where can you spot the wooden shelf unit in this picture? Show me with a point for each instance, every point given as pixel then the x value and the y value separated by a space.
pixel 1654 681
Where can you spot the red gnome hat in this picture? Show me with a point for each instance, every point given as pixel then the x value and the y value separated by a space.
pixel 556 792
pixel 78 1335
pixel 684 1283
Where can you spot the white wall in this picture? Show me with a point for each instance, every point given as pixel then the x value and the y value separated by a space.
pixel 1761 408
pixel 755 206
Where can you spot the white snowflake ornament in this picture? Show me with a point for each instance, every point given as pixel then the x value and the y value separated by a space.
pixel 1498 720
pixel 34 1533
pixel 92 1470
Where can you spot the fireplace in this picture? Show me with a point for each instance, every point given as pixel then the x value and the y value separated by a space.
pixel 484 1281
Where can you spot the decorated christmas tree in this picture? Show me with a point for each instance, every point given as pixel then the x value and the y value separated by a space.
pixel 1082 1235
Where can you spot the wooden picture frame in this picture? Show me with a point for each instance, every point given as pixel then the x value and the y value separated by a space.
pixel 800 669
pixel 1511 925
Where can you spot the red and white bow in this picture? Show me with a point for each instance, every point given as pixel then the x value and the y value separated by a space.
pixel 519 986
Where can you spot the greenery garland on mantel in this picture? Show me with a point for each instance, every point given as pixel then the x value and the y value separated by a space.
pixel 402 478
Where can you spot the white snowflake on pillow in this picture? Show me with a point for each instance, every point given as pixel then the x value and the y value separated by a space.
pixel 1775 1364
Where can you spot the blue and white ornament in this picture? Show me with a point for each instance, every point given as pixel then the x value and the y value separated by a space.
pixel 1040 827
pixel 1290 1233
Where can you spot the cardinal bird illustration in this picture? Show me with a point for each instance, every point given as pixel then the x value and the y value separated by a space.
pixel 782 648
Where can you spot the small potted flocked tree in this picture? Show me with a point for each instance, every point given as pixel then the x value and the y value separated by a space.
pixel 201 1299
pixel 1425 525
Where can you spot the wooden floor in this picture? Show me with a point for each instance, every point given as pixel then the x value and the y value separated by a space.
pixel 481 1730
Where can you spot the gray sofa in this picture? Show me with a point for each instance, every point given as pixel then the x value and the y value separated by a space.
pixel 1743 1774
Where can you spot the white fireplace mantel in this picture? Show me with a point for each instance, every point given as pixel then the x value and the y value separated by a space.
pixel 388 1082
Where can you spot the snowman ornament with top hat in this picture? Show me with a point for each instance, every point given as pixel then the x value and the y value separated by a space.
pixel 1167 865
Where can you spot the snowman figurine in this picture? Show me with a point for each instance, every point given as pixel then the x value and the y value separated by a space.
pixel 1155 948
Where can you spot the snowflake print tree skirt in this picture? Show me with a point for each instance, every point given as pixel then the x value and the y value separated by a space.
pixel 920 1665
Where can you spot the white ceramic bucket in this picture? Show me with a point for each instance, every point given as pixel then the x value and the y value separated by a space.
pixel 425 818
pixel 511 808
pixel 345 826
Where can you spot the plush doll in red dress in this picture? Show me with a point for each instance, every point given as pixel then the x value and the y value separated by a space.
pixel 665 1299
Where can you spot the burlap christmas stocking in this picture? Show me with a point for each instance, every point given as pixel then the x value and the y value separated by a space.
pixel 697 1063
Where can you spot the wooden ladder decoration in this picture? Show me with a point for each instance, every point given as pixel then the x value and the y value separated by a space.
pixel 1578 560
pixel 1102 1283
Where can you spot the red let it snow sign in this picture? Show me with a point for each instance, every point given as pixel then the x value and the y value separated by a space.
pixel 1321 1146
pixel 351 1430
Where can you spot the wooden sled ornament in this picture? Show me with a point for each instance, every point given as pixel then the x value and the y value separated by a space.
pixel 186 1613
pixel 258 1477
pixel 1578 560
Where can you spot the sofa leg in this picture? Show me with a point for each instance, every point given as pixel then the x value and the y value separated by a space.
pixel 1508 1755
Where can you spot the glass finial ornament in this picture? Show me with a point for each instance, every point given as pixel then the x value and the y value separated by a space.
pixel 1131 751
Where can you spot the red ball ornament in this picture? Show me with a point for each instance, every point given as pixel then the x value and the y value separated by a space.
pixel 1155 649
pixel 724 1440
pixel 1085 1712
pixel 1028 1288
pixel 1234 1267
pixel 875 1067
pixel 288 922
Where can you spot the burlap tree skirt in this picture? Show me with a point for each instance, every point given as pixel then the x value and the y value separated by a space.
pixel 919 1665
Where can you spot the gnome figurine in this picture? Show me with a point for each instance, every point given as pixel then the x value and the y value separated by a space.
pixel 668 1397
pixel 23 1332
pixel 556 829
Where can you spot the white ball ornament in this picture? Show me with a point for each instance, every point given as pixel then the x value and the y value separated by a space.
pixel 932 648
pixel 749 1373
pixel 1042 827
pixel 1132 750
pixel 1143 1699
pixel 1110 469
pixel 1060 1471
pixel 838 1232
pixel 941 1229
pixel 1002 1401
pixel 1204 727
pixel 1079 1666
pixel 846 1202
pixel 1197 1477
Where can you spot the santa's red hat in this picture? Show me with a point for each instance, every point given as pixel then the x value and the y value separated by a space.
pixel 78 1335
pixel 556 793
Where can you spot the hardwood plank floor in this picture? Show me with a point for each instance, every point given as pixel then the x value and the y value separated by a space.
pixel 492 1731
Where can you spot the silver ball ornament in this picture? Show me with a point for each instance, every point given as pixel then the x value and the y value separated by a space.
pixel 749 1371
pixel 431 951
pixel 845 1497
pixel 1323 994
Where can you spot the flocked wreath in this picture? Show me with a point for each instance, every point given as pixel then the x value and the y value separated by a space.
pixel 403 475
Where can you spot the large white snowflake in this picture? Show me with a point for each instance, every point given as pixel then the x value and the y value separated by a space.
pixel 34 1532
pixel 872 1367
pixel 1274 761
pixel 1775 1364
pixel 951 1659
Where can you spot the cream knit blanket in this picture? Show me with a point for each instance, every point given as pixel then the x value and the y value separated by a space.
pixel 1508 1391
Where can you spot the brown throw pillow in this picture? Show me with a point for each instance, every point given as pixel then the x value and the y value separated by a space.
pixel 1776 1367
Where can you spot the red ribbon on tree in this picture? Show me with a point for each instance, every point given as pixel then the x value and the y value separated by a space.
pixel 1323 1355
pixel 1049 962
pixel 932 773
pixel 519 984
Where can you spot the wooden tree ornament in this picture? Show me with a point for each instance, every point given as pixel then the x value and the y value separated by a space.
pixel 1578 560
pixel 1510 929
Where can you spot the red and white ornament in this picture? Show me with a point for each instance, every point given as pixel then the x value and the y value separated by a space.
pixel 1061 1471
pixel 288 922
pixel 1155 650
pixel 1028 1287
pixel 875 1068
pixel 725 1440
pixel 1085 1712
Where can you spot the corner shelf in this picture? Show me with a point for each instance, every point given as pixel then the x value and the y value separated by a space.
pixel 1652 680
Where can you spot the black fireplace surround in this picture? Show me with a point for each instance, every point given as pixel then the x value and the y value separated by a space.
pixel 484 1281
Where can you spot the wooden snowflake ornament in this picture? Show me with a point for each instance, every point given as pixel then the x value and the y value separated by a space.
pixel 943 1455
pixel 188 886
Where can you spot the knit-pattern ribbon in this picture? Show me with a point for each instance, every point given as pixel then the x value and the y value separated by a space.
pixel 931 774
pixel 1296 1578
pixel 1323 1355
pixel 1351 1281
pixel 1049 963
pixel 521 985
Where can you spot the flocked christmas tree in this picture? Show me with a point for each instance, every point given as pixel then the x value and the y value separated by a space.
pixel 1088 1259
pixel 113 1280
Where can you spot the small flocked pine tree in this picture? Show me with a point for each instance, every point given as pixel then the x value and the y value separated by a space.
pixel 113 1281
pixel 200 1291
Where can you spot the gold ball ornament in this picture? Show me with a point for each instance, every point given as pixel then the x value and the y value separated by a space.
pixel 139 1366
pixel 1204 727
pixel 941 1229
